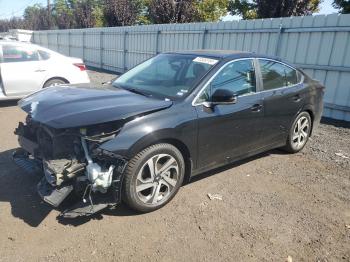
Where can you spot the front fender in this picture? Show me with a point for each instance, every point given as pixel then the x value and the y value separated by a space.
pixel 175 123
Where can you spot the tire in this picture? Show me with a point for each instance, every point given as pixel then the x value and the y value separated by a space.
pixel 54 82
pixel 146 191
pixel 299 133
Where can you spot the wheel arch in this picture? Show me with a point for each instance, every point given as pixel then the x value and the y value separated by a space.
pixel 182 147
pixel 308 109
pixel 55 77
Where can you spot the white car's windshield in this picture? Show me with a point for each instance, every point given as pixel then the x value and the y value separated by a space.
pixel 166 75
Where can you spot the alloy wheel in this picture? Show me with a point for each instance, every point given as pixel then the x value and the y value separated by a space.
pixel 157 179
pixel 300 132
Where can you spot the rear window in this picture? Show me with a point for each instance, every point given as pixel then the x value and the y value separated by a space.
pixel 13 53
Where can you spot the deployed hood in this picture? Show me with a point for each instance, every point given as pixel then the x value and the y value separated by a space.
pixel 77 106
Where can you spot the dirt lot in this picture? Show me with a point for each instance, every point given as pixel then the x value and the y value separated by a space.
pixel 273 206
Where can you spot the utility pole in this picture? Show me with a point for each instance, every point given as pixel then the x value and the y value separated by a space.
pixel 49 13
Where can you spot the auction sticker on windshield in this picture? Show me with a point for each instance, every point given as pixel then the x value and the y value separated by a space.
pixel 205 60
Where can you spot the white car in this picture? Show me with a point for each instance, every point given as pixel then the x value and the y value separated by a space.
pixel 26 68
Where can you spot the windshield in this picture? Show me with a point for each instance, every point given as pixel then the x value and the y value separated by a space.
pixel 170 76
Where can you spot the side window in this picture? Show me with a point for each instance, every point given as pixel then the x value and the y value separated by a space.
pixel 276 75
pixel 239 77
pixel 13 53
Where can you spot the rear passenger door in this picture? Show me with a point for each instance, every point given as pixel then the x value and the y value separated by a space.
pixel 283 95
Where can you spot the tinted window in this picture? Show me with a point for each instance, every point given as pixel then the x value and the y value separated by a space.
pixel 239 77
pixel 162 70
pixel 275 75
pixel 13 53
pixel 166 75
pixel 196 68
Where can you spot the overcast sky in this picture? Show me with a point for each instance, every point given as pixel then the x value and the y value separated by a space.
pixel 10 8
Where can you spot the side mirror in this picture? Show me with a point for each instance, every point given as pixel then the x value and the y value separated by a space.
pixel 221 97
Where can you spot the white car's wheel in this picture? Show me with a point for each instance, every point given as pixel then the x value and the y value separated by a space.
pixel 54 82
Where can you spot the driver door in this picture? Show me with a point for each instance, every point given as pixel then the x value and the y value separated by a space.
pixel 227 132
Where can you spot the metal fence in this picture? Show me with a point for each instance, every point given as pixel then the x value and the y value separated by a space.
pixel 318 44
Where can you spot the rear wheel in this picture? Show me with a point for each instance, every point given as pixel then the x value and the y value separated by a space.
pixel 54 82
pixel 153 177
pixel 299 133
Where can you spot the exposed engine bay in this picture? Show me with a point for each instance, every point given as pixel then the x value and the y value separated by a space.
pixel 73 163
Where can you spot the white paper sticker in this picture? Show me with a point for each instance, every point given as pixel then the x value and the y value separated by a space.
pixel 205 60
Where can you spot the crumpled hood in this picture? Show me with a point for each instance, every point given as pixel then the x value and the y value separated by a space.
pixel 78 106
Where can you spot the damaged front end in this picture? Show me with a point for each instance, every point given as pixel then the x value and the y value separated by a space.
pixel 72 163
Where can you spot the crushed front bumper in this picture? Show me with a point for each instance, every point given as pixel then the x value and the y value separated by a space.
pixel 55 195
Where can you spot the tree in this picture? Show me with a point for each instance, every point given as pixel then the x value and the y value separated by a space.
pixel 343 5
pixel 12 23
pixel 172 11
pixel 122 12
pixel 63 14
pixel 36 17
pixel 211 10
pixel 242 8
pixel 87 13
pixel 270 8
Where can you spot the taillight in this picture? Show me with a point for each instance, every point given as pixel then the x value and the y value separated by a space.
pixel 81 66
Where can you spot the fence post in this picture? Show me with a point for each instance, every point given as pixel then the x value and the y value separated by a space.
pixel 205 32
pixel 125 50
pixel 58 43
pixel 157 42
pixel 83 45
pixel 101 48
pixel 279 37
pixel 69 43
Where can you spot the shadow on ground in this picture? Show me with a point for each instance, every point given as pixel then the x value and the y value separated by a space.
pixel 19 189
pixel 9 103
pixel 20 192
pixel 123 210
pixel 334 122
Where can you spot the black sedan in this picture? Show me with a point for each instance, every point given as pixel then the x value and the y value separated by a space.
pixel 166 120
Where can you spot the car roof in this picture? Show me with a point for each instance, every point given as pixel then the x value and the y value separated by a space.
pixel 223 54
pixel 5 41
pixel 14 42
pixel 19 43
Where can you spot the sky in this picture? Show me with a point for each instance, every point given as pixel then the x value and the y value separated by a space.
pixel 10 8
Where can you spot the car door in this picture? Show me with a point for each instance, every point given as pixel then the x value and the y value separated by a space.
pixel 22 70
pixel 283 96
pixel 226 132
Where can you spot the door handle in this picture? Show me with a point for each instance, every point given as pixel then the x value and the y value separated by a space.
pixel 296 98
pixel 256 108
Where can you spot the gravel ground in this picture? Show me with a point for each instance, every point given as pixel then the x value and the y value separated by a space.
pixel 273 206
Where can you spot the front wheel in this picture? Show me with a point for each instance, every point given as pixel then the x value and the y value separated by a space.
pixel 153 177
pixel 299 133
